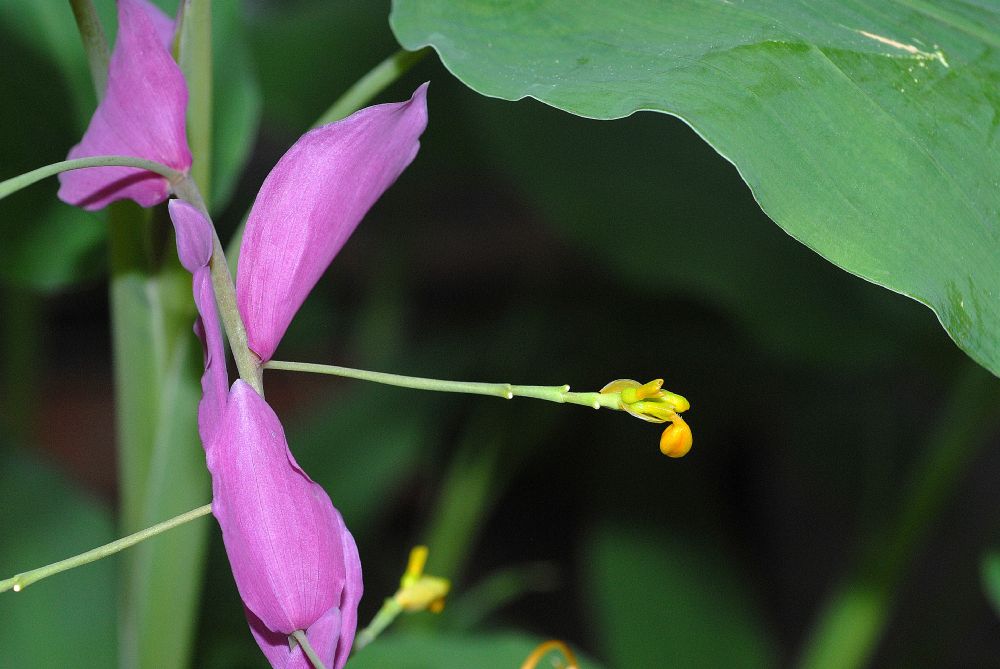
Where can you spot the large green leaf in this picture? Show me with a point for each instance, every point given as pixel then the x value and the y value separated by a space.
pixel 867 130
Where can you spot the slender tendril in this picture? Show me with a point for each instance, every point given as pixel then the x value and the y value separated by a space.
pixel 15 184
pixel 560 394
pixel 23 580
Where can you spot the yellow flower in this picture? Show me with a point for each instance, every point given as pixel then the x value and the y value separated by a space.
pixel 649 402
pixel 418 591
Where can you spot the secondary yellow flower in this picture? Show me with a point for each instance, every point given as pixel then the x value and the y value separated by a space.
pixel 418 591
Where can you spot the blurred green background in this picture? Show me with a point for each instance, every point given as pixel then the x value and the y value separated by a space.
pixel 842 443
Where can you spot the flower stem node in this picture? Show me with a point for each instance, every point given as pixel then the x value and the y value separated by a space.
pixel 649 402
pixel 419 591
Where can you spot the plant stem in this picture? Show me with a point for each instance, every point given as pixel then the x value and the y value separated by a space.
pixel 23 580
pixel 560 394
pixel 370 85
pixel 95 44
pixel 15 184
pixel 194 55
pixel 247 362
pixel 303 641
pixel 852 621
pixel 386 615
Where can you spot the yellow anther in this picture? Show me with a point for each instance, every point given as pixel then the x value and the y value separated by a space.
pixel 552 645
pixel 678 402
pixel 651 411
pixel 415 567
pixel 677 439
pixel 417 591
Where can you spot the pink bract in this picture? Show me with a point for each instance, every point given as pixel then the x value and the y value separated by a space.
pixel 294 561
pixel 141 115
pixel 310 204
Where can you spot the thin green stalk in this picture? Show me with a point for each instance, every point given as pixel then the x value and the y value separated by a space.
pixel 386 615
pixel 560 394
pixel 247 363
pixel 194 55
pixel 15 184
pixel 849 627
pixel 370 85
pixel 23 580
pixel 95 43
pixel 302 640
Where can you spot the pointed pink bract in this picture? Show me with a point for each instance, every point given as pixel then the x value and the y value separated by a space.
pixel 310 204
pixel 141 115
pixel 293 559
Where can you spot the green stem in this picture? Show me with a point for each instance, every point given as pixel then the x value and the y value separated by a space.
pixel 15 184
pixel 370 85
pixel 194 55
pixel 560 394
pixel 852 621
pixel 247 362
pixel 95 44
pixel 386 615
pixel 22 581
pixel 303 641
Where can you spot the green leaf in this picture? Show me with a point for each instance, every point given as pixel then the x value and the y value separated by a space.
pixel 193 51
pixel 655 596
pixel 700 256
pixel 865 130
pixel 161 461
pixel 445 651
pixel 69 619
